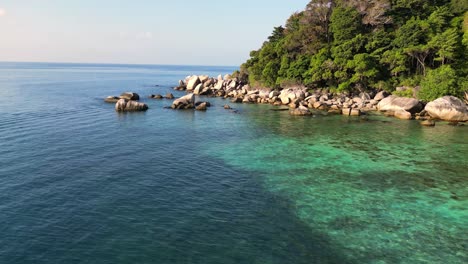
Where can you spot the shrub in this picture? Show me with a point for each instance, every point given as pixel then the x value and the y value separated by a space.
pixel 438 83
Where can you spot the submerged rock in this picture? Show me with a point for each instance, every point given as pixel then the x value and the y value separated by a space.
pixel 429 123
pixel 300 111
pixel 124 105
pixel 448 108
pixel 112 99
pixel 156 96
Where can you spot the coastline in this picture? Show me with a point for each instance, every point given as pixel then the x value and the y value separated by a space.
pixel 302 102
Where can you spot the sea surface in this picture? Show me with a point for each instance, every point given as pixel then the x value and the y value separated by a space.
pixel 80 183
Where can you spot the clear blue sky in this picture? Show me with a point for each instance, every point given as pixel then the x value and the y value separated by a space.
pixel 203 32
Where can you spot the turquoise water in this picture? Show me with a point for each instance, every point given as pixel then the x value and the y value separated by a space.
pixel 80 183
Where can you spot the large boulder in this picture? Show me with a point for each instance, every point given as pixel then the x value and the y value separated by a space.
pixel 193 82
pixel 198 90
pixel 130 106
pixel 394 103
pixel 130 96
pixel 448 108
pixel 185 102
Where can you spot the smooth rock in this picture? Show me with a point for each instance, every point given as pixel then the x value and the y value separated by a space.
pixel 130 96
pixel 124 105
pixel 193 82
pixel 202 107
pixel 185 102
pixel 394 103
pixel 198 89
pixel 112 99
pixel 204 78
pixel 381 95
pixel 355 112
pixel 346 111
pixel 402 114
pixel 448 108
pixel 429 123
pixel 300 111
pixel 227 107
pixel 156 96
pixel 169 96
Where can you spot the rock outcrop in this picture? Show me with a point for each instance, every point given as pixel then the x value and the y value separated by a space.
pixel 124 105
pixel 448 108
pixel 185 102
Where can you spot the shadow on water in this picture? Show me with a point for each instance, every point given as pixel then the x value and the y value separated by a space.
pixel 190 214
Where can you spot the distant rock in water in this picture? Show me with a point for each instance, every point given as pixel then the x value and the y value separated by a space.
pixel 130 106
pixel 130 96
pixel 156 96
pixel 185 102
pixel 112 99
pixel 202 107
pixel 448 108
pixel 169 96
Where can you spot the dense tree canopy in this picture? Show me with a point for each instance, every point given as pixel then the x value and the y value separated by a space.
pixel 367 44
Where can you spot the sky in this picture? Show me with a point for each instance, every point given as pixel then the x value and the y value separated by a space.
pixel 180 32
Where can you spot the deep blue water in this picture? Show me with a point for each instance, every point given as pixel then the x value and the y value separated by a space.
pixel 80 183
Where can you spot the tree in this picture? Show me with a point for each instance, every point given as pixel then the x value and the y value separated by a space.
pixel 364 70
pixel 345 24
pixel 445 45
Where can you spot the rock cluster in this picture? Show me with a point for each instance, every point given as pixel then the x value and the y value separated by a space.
pixel 127 96
pixel 127 102
pixel 297 98
pixel 301 101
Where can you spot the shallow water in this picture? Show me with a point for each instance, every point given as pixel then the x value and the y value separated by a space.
pixel 80 183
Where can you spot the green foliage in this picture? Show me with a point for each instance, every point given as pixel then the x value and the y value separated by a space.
pixel 345 24
pixel 439 82
pixel 358 45
pixel 406 93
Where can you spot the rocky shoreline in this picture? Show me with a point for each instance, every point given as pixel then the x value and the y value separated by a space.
pixel 301 101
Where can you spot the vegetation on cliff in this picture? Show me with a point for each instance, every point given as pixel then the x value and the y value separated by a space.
pixel 368 44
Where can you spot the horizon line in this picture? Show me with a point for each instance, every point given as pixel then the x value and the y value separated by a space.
pixel 119 63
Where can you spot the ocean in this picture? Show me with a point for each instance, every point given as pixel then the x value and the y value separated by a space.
pixel 81 183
